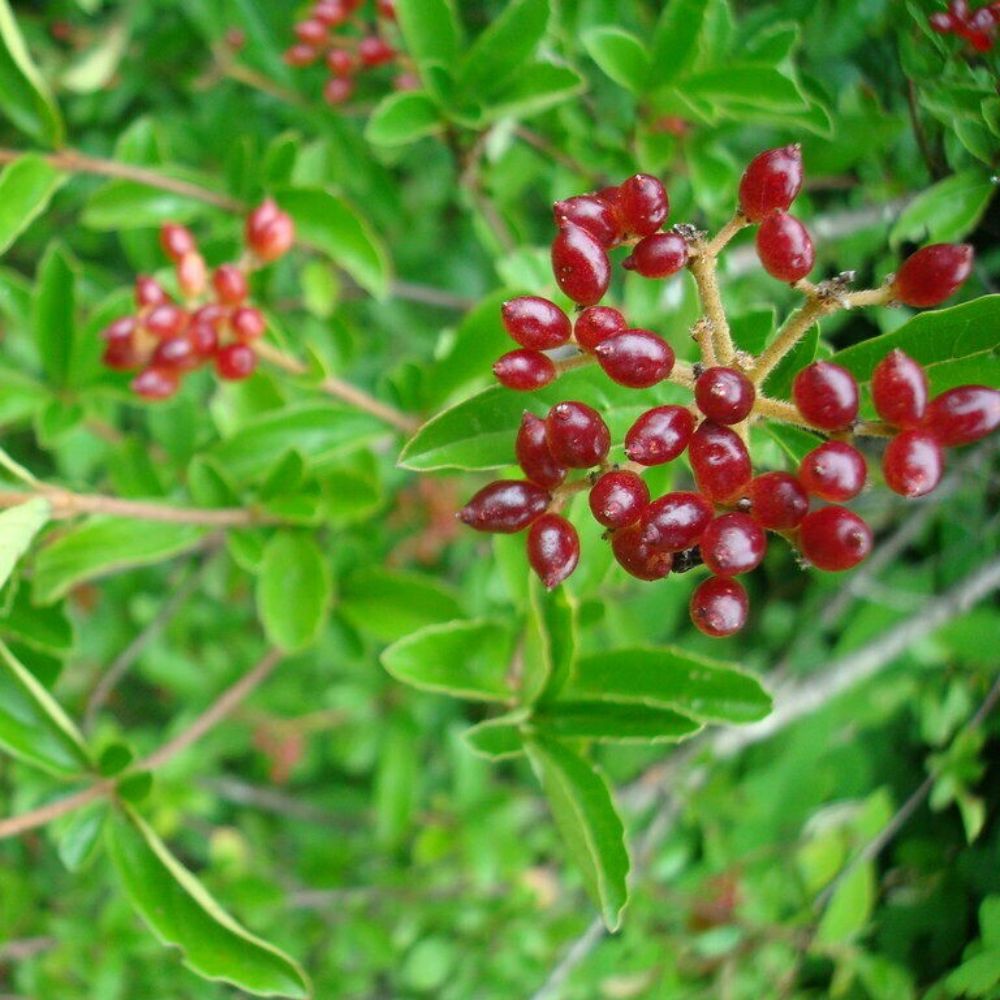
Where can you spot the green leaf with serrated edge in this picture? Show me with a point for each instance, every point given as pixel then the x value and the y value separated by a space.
pixel 433 37
pixel 332 226
pixel 501 49
pixel 53 318
pixel 294 590
pixel 18 527
pixel 535 88
pixel 705 689
pixel 590 827
pixel 180 912
pixel 946 211
pixel 33 726
pixel 466 659
pixel 26 98
pixel 778 384
pixel 549 640
pixel 620 55
pixel 26 188
pixel 613 722
pixel 937 340
pixel 498 739
pixel 105 545
pixel 403 118
pixel 675 40
pixel 795 442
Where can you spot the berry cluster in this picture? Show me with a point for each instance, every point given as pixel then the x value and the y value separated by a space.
pixel 722 522
pixel 977 27
pixel 346 54
pixel 165 340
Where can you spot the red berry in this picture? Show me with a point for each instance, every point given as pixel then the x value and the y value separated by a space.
pixel 120 354
pixel 533 455
pixel 834 538
pixel 120 330
pixel 826 395
pixel 658 256
pixel 899 390
pixel 311 32
pixel 591 214
pixel 176 352
pixel 942 23
pixel 387 9
pixel 577 435
pixel 676 521
pixel 230 284
pixel 724 395
pixel 300 55
pixel 912 463
pixel 536 323
pixel 176 241
pixel 524 370
pixel 771 182
pixel 553 549
pixel 733 544
pixel 156 383
pixel 506 506
pixel 270 232
pixel 637 556
pixel 596 324
pixel 192 275
pixel 834 471
pixel 659 435
pixel 332 13
pixel 719 460
pixel 785 247
pixel 719 607
pixel 340 62
pixel 778 501
pixel 235 361
pixel 642 204
pixel 636 358
pixel 581 266
pixel 166 320
pixel 375 51
pixel 204 338
pixel 618 498
pixel 932 274
pixel 211 314
pixel 149 292
pixel 406 81
pixel 337 90
pixel 247 323
pixel 963 415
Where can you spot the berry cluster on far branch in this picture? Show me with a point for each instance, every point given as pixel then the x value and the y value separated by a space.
pixel 977 27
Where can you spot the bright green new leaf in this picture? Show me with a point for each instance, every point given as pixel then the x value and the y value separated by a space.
pixel 550 640
pixel 128 205
pixel 498 739
pixel 432 36
pixel 675 40
pixel 403 118
pixel 26 188
pixel 294 590
pixel 620 55
pixel 96 66
pixel 18 527
pixel 946 211
pixel 535 88
pixel 53 308
pixel 503 47
pixel 849 908
pixel 614 722
pixel 78 838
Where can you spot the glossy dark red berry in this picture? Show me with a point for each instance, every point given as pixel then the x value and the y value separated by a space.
pixel 149 292
pixel 826 395
pixel 375 51
pixel 724 395
pixel 658 256
pixel 912 463
pixel 963 415
pixel 235 361
pixel 637 557
pixel 536 323
pixel 642 204
pixel 120 329
pixel 505 506
pixel 340 62
pixel 156 383
pixel 719 460
pixel 618 498
pixel 580 265
pixel 176 352
pixel 553 549
pixel 533 454
pixel 733 544
pixel 176 241
pixel 204 338
pixel 338 90
pixel 771 182
pixel 899 390
pixel 778 501
pixel 785 247
pixel 247 323
pixel 719 607
pixel 121 355
pixel 577 435
pixel 166 320
pixel 834 471
pixel 932 274
pixel 834 538
pixel 659 435
pixel 675 522
pixel 524 370
pixel 635 358
pixel 300 55
pixel 270 232
pixel 311 32
pixel 589 213
pixel 230 284
pixel 596 324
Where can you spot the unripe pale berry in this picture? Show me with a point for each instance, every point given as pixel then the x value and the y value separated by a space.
pixel 553 549
pixel 834 471
pixel 580 265
pixel 771 182
pixel 535 323
pixel 642 204
pixel 932 274
pixel 577 435
pixel 899 390
pixel 720 461
pixel 192 275
pixel 912 463
pixel 778 501
pixel 505 506
pixel 618 498
pixel 658 256
pixel 834 538
pixel 533 454
pixel 963 415
pixel 785 247
pixel 524 370
pixel 719 607
pixel 635 358
pixel 675 522
pixel 733 544
pixel 659 435
pixel 724 395
pixel 826 395
pixel 596 324
pixel 637 557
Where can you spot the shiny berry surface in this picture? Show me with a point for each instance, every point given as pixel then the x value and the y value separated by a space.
pixel 192 275
pixel 596 324
pixel 834 538
pixel 834 471
pixel 733 544
pixel 340 62
pixel 724 395
pixel 120 329
pixel 156 383
pixel 676 521
pixel 720 461
pixel 176 352
pixel 577 435
pixel 553 549
pixel 785 247
pixel 637 557
pixel 149 292
pixel 311 32
pixel 635 358
pixel 658 256
pixel 204 338
pixel 771 182
pixel 247 323
pixel 533 455
pixel 659 435
pixel 642 204
pixel 591 214
pixel 778 501
pixel 580 265
pixel 166 320
pixel 300 55
pixel 719 607
pixel 176 241
pixel 270 232
pixel 899 390
pixel 375 51
pixel 524 370
pixel 121 355
pixel 618 498
pixel 535 323
pixel 963 415
pixel 505 506
pixel 338 90
pixel 234 362
pixel 230 284
pixel 932 274
pixel 826 395
pixel 912 463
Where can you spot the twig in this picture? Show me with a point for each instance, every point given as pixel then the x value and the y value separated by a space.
pixel 271 800
pixel 555 154
pixel 18 951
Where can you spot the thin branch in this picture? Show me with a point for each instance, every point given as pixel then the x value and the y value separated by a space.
pixel 270 800
pixel 555 154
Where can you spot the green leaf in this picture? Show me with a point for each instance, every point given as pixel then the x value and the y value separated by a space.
pixel 946 211
pixel 26 188
pixel 179 911
pixel 614 722
pixel 536 87
pixel 18 527
pixel 129 205
pixel 45 630
pixel 433 36
pixel 95 67
pixel 705 689
pixel 53 312
pixel 761 88
pixel 79 837
pixel 585 815
pixel 620 55
pixel 294 590
pixel 33 726
pixel 503 47
pixel 329 224
pixel 675 40
pixel 105 545
pixel 24 96
pixel 403 118
pixel 550 640
pixel 849 908
pixel 498 739
pixel 397 779
pixel 795 442
pixel 779 383
pixel 466 659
